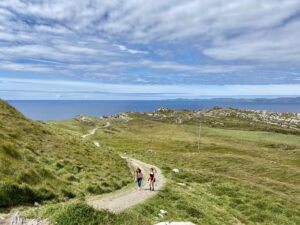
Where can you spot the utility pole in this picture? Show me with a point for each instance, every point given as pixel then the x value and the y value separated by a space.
pixel 200 126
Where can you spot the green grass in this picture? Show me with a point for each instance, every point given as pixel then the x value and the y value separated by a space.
pixel 41 162
pixel 79 213
pixel 238 176
pixel 244 172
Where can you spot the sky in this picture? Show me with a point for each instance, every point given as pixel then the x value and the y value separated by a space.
pixel 135 49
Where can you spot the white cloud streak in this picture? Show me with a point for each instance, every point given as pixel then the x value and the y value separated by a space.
pixel 132 51
pixel 57 88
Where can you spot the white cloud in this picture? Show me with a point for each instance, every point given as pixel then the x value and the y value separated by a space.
pixel 79 37
pixel 25 67
pixel 280 44
pixel 77 90
pixel 132 51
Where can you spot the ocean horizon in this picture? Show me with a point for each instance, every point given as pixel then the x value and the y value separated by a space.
pixel 68 109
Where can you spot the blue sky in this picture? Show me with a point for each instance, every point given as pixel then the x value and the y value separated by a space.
pixel 134 49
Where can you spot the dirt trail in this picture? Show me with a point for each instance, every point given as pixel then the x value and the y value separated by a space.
pixel 93 131
pixel 123 200
pixel 115 201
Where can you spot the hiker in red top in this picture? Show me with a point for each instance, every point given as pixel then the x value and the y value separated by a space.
pixel 151 178
pixel 139 177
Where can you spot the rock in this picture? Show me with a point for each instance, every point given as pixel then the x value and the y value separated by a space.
pixel 150 151
pixel 36 204
pixel 163 211
pixel 17 219
pixel 175 223
pixel 175 170
pixel 96 143
pixel 163 109
pixel 84 119
pixel 178 120
pixel 161 215
pixel 32 222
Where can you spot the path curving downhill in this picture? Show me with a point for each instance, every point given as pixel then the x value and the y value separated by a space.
pixel 115 201
pixel 119 201
pixel 124 199
pixel 93 131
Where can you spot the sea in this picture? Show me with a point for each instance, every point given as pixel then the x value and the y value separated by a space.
pixel 67 109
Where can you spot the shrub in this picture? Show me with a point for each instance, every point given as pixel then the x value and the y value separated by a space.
pixel 96 189
pixel 10 150
pixel 72 178
pixel 80 213
pixel 68 194
pixel 13 194
pixel 29 177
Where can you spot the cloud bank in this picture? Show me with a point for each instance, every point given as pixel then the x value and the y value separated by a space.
pixel 170 42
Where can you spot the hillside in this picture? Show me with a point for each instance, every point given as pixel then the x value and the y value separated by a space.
pixel 233 118
pixel 243 168
pixel 246 170
pixel 39 162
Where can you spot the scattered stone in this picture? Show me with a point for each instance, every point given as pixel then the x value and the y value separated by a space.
pixel 96 143
pixel 84 119
pixel 178 120
pixel 36 204
pixel 150 151
pixel 175 170
pixel 217 116
pixel 162 213
pixel 123 116
pixel 182 184
pixel 163 109
pixel 17 219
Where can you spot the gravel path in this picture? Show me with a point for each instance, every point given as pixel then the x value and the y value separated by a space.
pixel 114 202
pixel 124 200
pixel 93 131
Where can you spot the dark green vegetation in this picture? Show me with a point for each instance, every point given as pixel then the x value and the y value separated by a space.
pixel 79 213
pixel 245 172
pixel 40 162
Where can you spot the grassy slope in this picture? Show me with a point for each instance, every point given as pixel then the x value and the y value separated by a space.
pixel 244 172
pixel 238 176
pixel 41 162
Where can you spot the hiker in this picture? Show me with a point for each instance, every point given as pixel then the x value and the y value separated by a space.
pixel 139 177
pixel 151 178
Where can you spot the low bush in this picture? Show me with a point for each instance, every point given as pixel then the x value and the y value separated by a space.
pixel 12 194
pixel 80 213
pixel 10 150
